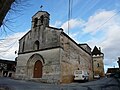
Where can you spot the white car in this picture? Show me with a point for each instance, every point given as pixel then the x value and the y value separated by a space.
pixel 81 75
pixel 96 76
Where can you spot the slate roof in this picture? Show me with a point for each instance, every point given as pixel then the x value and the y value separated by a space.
pixel 96 51
pixel 7 61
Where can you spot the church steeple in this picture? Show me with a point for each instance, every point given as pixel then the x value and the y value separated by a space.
pixel 96 51
pixel 40 18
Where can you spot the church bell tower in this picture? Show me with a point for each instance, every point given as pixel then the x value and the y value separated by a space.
pixel 41 18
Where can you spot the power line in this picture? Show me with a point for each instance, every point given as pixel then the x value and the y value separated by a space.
pixel 8 38
pixel 5 58
pixel 7 50
pixel 69 13
pixel 69 17
pixel 10 47
pixel 107 20
pixel 71 8
pixel 91 5
pixel 5 43
pixel 86 10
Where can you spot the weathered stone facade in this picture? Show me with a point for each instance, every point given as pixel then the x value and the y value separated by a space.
pixel 52 51
pixel 98 65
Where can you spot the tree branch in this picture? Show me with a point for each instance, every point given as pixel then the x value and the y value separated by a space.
pixel 4 8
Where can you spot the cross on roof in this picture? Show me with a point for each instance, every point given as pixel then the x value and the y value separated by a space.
pixel 41 7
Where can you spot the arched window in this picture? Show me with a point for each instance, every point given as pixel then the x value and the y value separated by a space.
pixel 23 46
pixel 36 45
pixel 35 22
pixel 42 18
pixel 98 65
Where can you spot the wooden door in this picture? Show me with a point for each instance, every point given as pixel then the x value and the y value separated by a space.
pixel 38 69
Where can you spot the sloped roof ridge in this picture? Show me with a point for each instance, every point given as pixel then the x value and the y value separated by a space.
pixel 96 51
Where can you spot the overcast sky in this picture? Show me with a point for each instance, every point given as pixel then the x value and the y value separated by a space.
pixel 95 22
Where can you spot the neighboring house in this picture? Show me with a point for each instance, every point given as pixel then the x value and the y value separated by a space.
pixel 47 54
pixel 111 71
pixel 98 65
pixel 7 68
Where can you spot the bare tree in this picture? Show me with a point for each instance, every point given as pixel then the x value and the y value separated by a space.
pixel 4 8
pixel 10 10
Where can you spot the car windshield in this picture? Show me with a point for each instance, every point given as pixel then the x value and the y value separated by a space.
pixel 78 72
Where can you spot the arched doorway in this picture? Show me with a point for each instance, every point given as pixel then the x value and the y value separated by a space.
pixel 35 65
pixel 37 69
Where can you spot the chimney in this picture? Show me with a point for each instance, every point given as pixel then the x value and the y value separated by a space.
pixel 118 62
pixel 99 49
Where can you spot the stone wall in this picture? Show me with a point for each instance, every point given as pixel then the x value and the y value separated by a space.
pixel 46 36
pixel 51 65
pixel 72 58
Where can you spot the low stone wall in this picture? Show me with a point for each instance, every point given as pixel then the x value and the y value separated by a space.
pixel 67 79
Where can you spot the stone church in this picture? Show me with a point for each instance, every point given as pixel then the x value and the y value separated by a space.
pixel 47 54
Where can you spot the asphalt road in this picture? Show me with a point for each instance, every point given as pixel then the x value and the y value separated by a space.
pixel 102 84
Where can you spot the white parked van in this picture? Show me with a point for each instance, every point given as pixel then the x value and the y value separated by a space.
pixel 81 75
